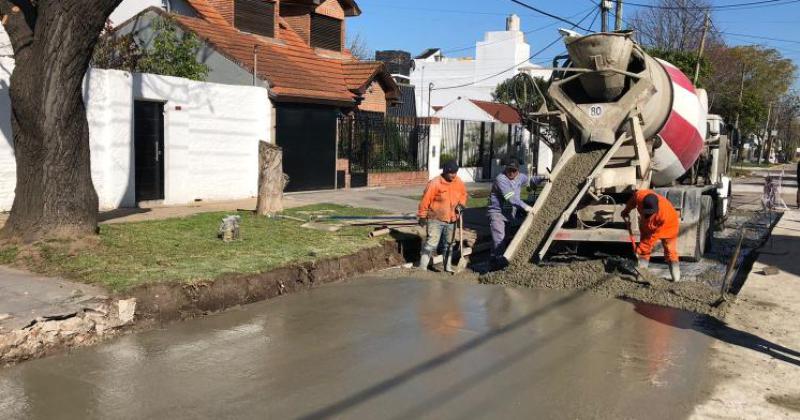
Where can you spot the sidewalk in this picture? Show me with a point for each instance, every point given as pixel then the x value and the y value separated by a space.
pixel 25 297
pixel 758 354
pixel 400 200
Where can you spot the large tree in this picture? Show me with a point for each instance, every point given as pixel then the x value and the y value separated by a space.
pixel 53 42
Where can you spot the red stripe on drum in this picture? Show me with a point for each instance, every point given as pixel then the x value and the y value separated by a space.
pixel 678 77
pixel 683 138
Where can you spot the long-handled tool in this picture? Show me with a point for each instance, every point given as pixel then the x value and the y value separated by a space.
pixel 631 237
pixel 633 266
pixel 462 260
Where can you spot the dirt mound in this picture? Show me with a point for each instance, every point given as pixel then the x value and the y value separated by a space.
pixel 609 278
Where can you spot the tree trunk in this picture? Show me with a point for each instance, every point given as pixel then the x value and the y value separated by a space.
pixel 271 180
pixel 53 43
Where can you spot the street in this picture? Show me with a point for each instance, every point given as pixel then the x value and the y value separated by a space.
pixel 386 346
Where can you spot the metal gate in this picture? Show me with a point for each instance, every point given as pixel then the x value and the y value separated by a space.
pixel 371 142
pixel 307 135
pixel 477 144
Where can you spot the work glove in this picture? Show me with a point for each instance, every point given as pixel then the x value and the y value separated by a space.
pixel 460 208
pixel 528 209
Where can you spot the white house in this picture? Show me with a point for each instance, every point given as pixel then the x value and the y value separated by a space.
pixel 499 56
pixel 203 145
pixel 504 135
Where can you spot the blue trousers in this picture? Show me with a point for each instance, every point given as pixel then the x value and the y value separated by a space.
pixel 503 225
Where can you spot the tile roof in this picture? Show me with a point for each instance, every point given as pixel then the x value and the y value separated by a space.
pixel 359 74
pixel 292 68
pixel 427 53
pixel 506 114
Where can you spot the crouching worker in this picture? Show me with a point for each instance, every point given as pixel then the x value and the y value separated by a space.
pixel 506 209
pixel 444 199
pixel 658 220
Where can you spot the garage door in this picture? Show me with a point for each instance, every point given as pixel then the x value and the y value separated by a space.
pixel 307 134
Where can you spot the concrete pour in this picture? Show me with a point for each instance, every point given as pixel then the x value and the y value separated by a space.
pixel 389 346
pixel 604 277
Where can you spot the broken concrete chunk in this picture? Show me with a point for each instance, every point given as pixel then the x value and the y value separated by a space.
pixel 769 271
pixel 127 310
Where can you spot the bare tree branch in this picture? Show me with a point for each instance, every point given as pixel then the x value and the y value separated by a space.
pixel 19 20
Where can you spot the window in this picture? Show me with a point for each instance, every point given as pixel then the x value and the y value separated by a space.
pixel 254 16
pixel 326 32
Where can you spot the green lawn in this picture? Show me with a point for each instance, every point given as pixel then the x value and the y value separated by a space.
pixel 187 249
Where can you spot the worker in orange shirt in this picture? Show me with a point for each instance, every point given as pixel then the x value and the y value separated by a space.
pixel 445 198
pixel 658 220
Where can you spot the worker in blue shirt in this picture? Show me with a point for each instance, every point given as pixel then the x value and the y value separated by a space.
pixel 506 209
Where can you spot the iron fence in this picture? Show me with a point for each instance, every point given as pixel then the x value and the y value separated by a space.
pixel 373 142
pixel 475 144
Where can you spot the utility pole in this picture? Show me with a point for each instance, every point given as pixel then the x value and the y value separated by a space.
pixel 739 139
pixel 702 48
pixel 618 23
pixel 767 136
pixel 765 143
pixel 430 89
pixel 605 6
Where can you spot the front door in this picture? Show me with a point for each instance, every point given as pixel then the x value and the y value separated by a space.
pixel 148 143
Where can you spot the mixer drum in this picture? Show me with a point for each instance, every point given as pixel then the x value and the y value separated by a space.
pixel 684 131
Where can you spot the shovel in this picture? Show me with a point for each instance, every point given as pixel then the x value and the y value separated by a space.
pixel 462 260
pixel 633 267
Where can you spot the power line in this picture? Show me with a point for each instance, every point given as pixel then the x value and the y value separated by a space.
pixel 550 25
pixel 736 6
pixel 766 38
pixel 574 25
pixel 559 18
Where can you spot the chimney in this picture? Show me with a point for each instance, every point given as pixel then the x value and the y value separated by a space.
pixel 512 23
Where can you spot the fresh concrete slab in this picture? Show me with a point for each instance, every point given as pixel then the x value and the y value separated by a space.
pixel 393 346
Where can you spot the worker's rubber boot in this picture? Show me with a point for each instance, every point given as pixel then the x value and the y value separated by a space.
pixel 675 271
pixel 424 260
pixel 643 263
pixel 448 260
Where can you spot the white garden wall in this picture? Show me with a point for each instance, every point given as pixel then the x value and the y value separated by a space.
pixel 211 135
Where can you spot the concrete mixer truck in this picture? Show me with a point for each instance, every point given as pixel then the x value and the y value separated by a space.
pixel 654 128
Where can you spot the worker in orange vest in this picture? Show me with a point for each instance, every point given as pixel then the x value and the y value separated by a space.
pixel 658 220
pixel 444 200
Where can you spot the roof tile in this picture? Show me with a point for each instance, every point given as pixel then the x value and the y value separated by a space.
pixel 292 68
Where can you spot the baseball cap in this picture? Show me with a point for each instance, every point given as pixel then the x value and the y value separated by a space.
pixel 650 204
pixel 513 165
pixel 450 167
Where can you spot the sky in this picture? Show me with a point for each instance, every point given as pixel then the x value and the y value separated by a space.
pixel 455 25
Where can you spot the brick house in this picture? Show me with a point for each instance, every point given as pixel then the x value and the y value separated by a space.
pixel 295 49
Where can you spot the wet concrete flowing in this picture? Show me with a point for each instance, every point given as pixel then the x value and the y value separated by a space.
pixel 387 346
pixel 565 188
pixel 615 278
